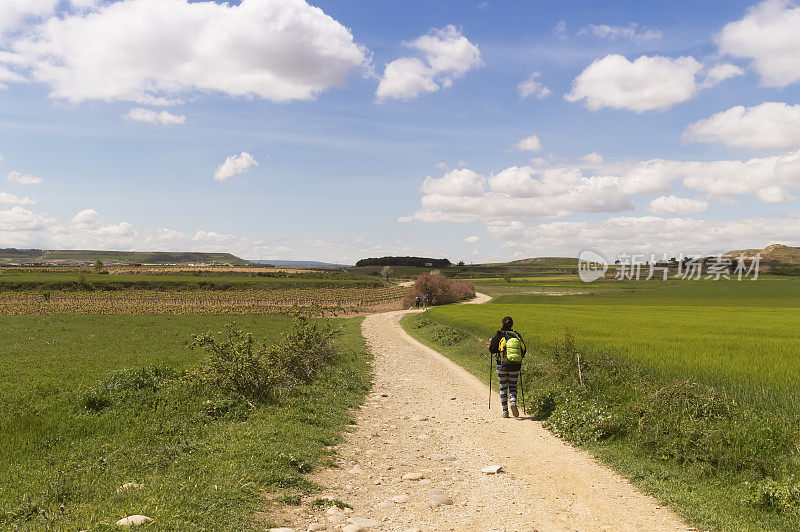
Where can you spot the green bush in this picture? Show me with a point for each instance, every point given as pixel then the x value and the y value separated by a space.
pixel 236 363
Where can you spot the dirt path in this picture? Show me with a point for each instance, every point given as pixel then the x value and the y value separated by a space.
pixel 428 417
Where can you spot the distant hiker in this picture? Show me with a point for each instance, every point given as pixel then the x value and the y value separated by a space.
pixel 425 301
pixel 416 301
pixel 509 349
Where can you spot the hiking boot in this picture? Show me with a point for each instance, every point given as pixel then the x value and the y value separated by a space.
pixel 505 414
pixel 514 410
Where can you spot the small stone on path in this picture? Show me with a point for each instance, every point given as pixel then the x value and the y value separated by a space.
pixel 315 527
pixel 282 529
pixel 401 499
pixel 492 469
pixel 133 520
pixel 438 498
pixel 413 476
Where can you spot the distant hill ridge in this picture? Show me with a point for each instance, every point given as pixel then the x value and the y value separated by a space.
pixel 301 264
pixel 547 260
pixel 777 252
pixel 72 256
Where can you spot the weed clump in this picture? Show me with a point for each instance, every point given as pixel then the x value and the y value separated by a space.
pixel 323 503
pixel 290 499
pixel 582 420
pixel 122 384
pixel 776 495
pixel 448 336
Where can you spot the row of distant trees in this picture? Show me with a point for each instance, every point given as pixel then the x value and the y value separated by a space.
pixel 405 261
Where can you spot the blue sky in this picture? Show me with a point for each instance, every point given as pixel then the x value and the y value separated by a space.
pixel 372 128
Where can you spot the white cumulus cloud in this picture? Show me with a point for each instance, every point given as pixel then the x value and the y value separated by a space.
pixel 472 239
pixel 457 182
pixel 86 218
pixel 234 165
pixel 405 79
pixel 677 205
pixel 448 55
pixel 769 126
pixel 532 86
pixel 768 36
pixel 148 116
pixel 547 189
pixel 768 179
pixel 506 230
pixel 646 84
pixel 155 51
pixel 531 143
pixel 22 179
pixel 18 219
pixel 12 199
pixel 517 193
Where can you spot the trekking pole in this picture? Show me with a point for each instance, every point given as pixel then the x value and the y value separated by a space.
pixel 522 393
pixel 490 381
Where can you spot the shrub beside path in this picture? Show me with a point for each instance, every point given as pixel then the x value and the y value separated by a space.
pixel 425 434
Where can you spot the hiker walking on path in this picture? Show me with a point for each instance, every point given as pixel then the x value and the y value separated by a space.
pixel 416 301
pixel 508 349
pixel 425 301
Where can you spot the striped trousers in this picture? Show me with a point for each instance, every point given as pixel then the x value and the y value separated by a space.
pixel 508 386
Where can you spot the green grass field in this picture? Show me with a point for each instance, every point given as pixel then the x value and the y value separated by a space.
pixel 643 343
pixel 205 458
pixel 742 337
